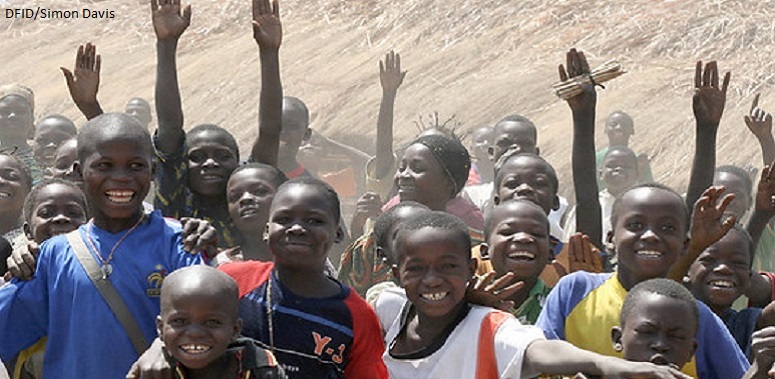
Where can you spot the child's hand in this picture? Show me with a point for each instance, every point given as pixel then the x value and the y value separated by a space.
pixel 582 255
pixel 615 368
pixel 763 350
pixel 390 74
pixel 23 262
pixel 707 225
pixel 199 236
pixel 577 65
pixel 492 293
pixel 765 191
pixel 168 22
pixel 154 363
pixel 758 121
pixel 267 28
pixel 84 81
pixel 708 101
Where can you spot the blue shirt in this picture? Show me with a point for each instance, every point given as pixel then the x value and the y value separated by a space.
pixel 86 340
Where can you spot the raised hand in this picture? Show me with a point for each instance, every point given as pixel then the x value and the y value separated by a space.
pixel 369 205
pixel 199 236
pixel 23 262
pixel 267 28
pixel 708 222
pixel 493 293
pixel 84 81
pixel 759 122
pixel 765 191
pixel 577 66
pixel 390 74
pixel 709 99
pixel 582 255
pixel 168 21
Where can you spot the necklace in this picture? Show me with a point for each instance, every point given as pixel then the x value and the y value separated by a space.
pixel 270 312
pixel 106 268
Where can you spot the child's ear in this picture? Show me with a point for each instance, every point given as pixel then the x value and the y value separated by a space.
pixel 339 234
pixel 609 238
pixel 394 270
pixel 265 237
pixel 491 153
pixel 496 200
pixel 307 134
pixel 77 170
pixel 538 151
pixel 484 251
pixel 27 231
pixel 555 203
pixel 237 329
pixel 616 339
pixel 153 168
pixel 159 327
pixel 473 264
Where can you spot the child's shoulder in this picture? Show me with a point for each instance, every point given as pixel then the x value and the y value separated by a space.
pixel 583 279
pixel 247 274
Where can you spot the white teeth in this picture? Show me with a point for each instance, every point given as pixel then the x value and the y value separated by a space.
pixel 722 283
pixel 650 253
pixel 121 197
pixel 5 194
pixel 195 349
pixel 434 296
pixel 522 254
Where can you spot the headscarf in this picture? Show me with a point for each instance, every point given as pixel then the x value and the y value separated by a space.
pixel 452 156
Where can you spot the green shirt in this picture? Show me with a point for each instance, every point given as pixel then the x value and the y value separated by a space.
pixel 527 312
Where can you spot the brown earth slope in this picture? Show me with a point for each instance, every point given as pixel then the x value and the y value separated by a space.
pixel 479 60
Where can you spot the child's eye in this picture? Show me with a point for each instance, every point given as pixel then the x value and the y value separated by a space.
pixel 137 166
pixel 177 321
pixel 634 225
pixel 669 228
pixel 214 323
pixel 449 266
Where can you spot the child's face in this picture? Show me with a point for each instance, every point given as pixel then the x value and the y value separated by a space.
pixel 59 210
pixel 294 131
pixel 63 161
pixel 510 134
pixel 734 185
pixel 13 188
pixel 434 268
pixel 49 134
pixel 210 162
pixel 197 328
pixel 519 241
pixel 618 128
pixel 140 112
pixel 619 172
pixel 721 273
pixel 421 178
pixel 649 234
pixel 16 119
pixel 250 193
pixel 481 141
pixel 653 333
pixel 302 228
pixel 117 175
pixel 527 177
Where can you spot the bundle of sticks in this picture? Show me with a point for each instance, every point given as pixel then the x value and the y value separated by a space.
pixel 573 86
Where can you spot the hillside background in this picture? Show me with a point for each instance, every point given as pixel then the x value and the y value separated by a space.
pixel 475 59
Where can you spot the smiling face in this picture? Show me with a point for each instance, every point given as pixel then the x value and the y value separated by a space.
pixel 481 139
pixel 619 171
pixel 140 110
pixel 652 333
pixel 421 178
pixel 16 120
pixel 511 134
pixel 302 227
pixel 527 177
pixel 210 162
pixel 734 184
pixel 649 233
pixel 434 268
pixel 49 134
pixel 59 209
pixel 721 273
pixel 13 186
pixel 619 127
pixel 250 193
pixel 518 241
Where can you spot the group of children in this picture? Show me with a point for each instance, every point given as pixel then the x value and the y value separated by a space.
pixel 468 268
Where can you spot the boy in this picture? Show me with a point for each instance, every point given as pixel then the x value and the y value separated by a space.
pixel 619 127
pixel 435 326
pixel 648 330
pixel 50 132
pixel 17 125
pixel 140 110
pixel 200 326
pixel 135 253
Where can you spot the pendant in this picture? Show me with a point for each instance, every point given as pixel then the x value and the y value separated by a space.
pixel 106 269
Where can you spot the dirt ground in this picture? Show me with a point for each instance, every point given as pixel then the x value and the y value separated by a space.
pixel 477 60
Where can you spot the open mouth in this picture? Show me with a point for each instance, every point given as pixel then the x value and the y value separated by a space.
pixel 4 194
pixel 120 196
pixel 434 296
pixel 248 211
pixel 195 349
pixel 211 178
pixel 723 284
pixel 649 254
pixel 522 256
pixel 659 359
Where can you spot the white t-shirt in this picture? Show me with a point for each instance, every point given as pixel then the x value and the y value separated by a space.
pixel 458 357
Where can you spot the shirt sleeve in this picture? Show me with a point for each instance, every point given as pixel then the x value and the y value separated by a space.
pixel 511 341
pixel 568 292
pixel 718 355
pixel 171 178
pixel 365 358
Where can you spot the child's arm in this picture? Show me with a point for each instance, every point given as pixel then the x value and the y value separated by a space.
pixel 268 31
pixel 708 104
pixel 759 123
pixel 84 81
pixel 708 226
pixel 390 77
pixel 169 24
pixel 588 214
pixel 369 206
pixel 764 203
pixel 763 350
pixel 556 357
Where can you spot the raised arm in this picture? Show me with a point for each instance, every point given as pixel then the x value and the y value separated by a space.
pixel 84 81
pixel 588 214
pixel 390 77
pixel 764 203
pixel 169 23
pixel 759 123
pixel 268 33
pixel 708 104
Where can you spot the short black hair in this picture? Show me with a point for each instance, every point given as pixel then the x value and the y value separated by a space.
pixel 319 185
pixel 25 171
pixel 230 141
pixel 737 228
pixel 296 105
pixel 618 201
pixel 278 177
pixel 739 172
pixel 32 198
pixel 626 116
pixel 114 125
pixel 68 126
pixel 489 214
pixel 435 220
pixel 621 149
pixel 514 153
pixel 663 287
pixel 206 279
pixel 386 220
pixel 521 120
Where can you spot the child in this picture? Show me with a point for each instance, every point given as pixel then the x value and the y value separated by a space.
pixel 140 110
pixel 648 330
pixel 435 326
pixel 481 168
pixel 317 327
pixel 15 184
pixel 199 325
pixel 619 127
pixel 50 132
pixel 63 161
pixel 135 252
pixel 17 125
